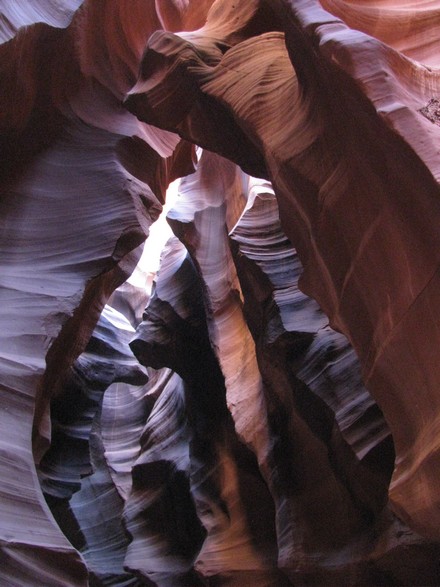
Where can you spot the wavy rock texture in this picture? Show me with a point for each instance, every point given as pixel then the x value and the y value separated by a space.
pixel 411 28
pixel 199 505
pixel 360 204
pixel 65 142
pixel 251 389
pixel 106 359
pixel 286 322
pixel 75 472
pixel 324 439
pixel 14 15
pixel 283 427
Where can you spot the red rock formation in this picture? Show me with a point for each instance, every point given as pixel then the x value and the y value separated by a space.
pixel 315 475
pixel 358 202
pixel 190 447
pixel 254 454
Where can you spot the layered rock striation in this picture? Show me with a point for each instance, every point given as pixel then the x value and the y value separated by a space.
pixel 273 416
pixel 65 140
pixel 345 183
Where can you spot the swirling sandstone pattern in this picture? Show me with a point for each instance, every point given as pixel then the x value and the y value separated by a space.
pixel 283 426
pixel 72 213
pixel 346 186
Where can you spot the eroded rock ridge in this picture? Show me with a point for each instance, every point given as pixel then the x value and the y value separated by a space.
pixel 263 406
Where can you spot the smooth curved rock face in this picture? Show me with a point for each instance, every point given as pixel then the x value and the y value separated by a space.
pixel 73 213
pixel 254 455
pixel 324 440
pixel 75 473
pixel 106 360
pixel 411 29
pixel 14 15
pixel 360 204
pixel 287 322
pixel 189 446
pixel 257 415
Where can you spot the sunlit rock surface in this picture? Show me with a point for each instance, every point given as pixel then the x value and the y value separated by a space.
pixel 273 416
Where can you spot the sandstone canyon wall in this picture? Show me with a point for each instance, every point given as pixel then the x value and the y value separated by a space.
pixel 268 412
